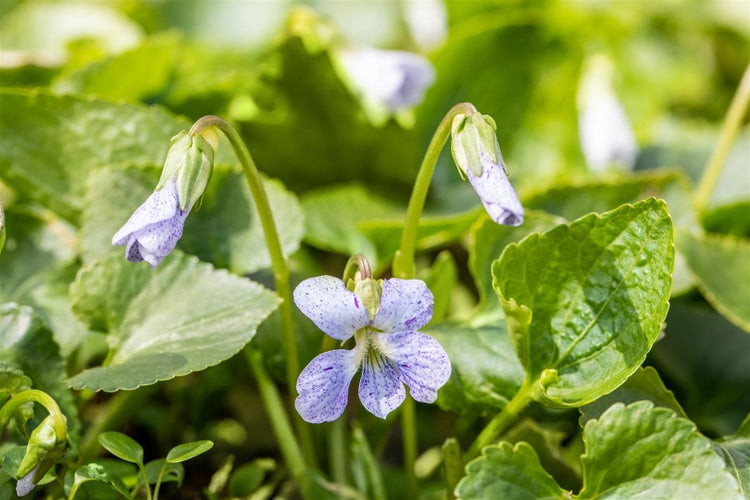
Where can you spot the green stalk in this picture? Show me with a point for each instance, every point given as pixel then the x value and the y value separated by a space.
pixel 403 263
pixel 278 263
pixel 276 412
pixel 44 399
pixel 729 129
pixel 337 450
pixel 403 267
pixel 502 420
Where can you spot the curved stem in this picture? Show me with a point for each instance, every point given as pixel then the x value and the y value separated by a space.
pixel 275 408
pixel 44 399
pixel 729 129
pixel 403 263
pixel 278 261
pixel 502 420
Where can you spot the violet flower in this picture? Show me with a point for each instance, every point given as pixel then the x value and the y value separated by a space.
pixel 153 230
pixel 388 347
pixel 477 154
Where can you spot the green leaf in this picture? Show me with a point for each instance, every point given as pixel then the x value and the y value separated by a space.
pixel 115 79
pixel 36 269
pixel 122 446
pixel 735 450
pixel 186 451
pixel 721 265
pixel 441 280
pixel 507 471
pixel 585 301
pixel 181 317
pixel 485 373
pixel 52 142
pixel 704 357
pixel 644 385
pixel 488 241
pixel 27 345
pixel 639 451
pixel 729 206
pixel 98 472
pixel 173 473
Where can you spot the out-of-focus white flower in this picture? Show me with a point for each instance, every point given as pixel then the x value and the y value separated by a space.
pixel 427 21
pixel 605 133
pixel 391 79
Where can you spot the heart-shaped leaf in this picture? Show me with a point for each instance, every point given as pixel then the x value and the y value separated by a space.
pixel 181 317
pixel 585 301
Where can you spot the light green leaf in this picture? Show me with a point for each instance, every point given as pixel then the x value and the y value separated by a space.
pixel 186 451
pixel 181 317
pixel 115 78
pixel 644 385
pixel 729 206
pixel 639 451
pixel 585 301
pixel 52 142
pixel 488 241
pixel 486 373
pixel 27 345
pixel 122 446
pixel 507 471
pixel 721 265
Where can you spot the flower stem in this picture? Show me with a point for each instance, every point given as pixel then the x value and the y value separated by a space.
pixel 403 267
pixel 337 450
pixel 44 399
pixel 276 412
pixel 502 420
pixel 278 262
pixel 729 129
pixel 403 263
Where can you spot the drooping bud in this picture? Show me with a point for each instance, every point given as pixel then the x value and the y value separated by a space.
pixel 476 152
pixel 47 445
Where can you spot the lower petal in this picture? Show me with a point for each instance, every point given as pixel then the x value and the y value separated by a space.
pixel 380 388
pixel 323 385
pixel 421 360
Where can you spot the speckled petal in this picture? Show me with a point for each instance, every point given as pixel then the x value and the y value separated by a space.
pixel 498 197
pixel 380 388
pixel 323 385
pixel 158 240
pixel 331 306
pixel 161 205
pixel 421 360
pixel 404 305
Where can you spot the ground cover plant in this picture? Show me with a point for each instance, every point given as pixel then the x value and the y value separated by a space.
pixel 374 250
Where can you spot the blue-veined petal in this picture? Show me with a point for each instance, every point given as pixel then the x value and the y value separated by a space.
pixel 422 362
pixel 331 306
pixel 323 385
pixel 404 305
pixel 380 388
pixel 497 194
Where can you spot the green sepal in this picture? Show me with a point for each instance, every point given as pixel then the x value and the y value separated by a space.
pixel 193 178
pixel 43 450
pixel 471 136
pixel 369 290
pixel 178 148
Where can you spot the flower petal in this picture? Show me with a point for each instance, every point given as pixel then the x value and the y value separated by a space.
pixel 404 305
pixel 380 388
pixel 323 385
pixel 421 360
pixel 331 306
pixel 161 205
pixel 158 240
pixel 497 195
pixel 26 484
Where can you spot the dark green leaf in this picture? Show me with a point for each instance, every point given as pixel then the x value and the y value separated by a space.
pixel 173 473
pixel 181 317
pixel 585 301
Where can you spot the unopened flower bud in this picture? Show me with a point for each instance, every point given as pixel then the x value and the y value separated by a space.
pixel 190 163
pixel 476 152
pixel 47 444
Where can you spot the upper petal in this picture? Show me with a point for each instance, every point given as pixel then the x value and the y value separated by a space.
pixel 331 306
pixel 498 196
pixel 380 388
pixel 161 205
pixel 404 305
pixel 421 360
pixel 323 385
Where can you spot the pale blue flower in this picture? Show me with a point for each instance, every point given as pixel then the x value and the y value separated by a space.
pixel 388 347
pixel 153 230
pixel 496 193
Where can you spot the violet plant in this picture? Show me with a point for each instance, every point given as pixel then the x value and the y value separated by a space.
pixel 513 331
